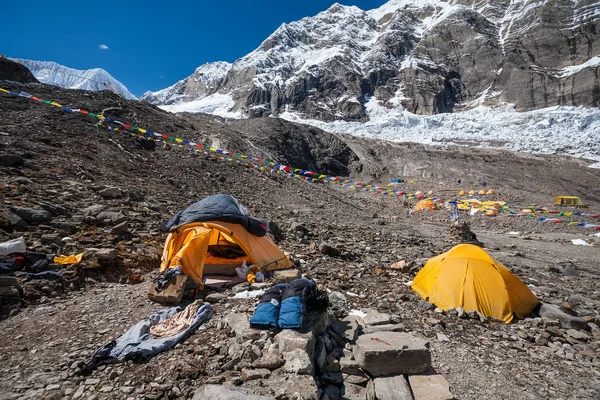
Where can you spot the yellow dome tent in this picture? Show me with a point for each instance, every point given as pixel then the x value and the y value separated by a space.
pixel 462 193
pixel 481 192
pixel 471 192
pixel 430 192
pixel 418 193
pixel 491 191
pixel 426 205
pixel 468 277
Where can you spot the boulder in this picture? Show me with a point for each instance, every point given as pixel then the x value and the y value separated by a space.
pixel 111 193
pixel 110 217
pixel 221 392
pixel 430 387
pixel 392 388
pixel 118 229
pixel 33 216
pixel 10 160
pixel 392 353
pixel 297 387
pixel 553 312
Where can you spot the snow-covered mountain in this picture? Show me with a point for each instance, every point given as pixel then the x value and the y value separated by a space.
pixel 422 56
pixel 95 79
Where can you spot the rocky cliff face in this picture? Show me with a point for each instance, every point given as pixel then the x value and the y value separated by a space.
pixel 12 71
pixel 428 57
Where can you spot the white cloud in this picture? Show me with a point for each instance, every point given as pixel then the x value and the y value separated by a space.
pixel 103 47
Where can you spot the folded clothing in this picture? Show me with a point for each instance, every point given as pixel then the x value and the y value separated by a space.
pixel 177 323
pixel 267 312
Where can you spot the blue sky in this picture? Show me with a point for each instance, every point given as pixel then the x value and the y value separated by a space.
pixel 149 44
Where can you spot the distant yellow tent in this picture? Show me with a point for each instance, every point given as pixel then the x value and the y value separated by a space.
pixel 468 277
pixel 430 192
pixel 567 201
pixel 471 192
pixel 482 192
pixel 418 193
pixel 491 191
pixel 426 205
pixel 462 193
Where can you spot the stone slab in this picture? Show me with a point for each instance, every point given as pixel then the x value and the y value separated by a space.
pixel 354 392
pixel 374 317
pixel 392 353
pixel 392 388
pixel 220 392
pixel 430 387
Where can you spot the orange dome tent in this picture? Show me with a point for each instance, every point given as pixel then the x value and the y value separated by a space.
pixel 462 193
pixel 491 191
pixel 481 192
pixel 471 192
pixel 468 277
pixel 426 205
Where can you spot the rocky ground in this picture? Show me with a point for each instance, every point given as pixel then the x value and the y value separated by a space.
pixel 57 167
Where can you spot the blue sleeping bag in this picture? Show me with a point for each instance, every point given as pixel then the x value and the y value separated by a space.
pixel 293 303
pixel 267 311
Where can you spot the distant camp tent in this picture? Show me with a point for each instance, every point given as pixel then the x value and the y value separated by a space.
pixel 426 205
pixel 567 201
pixel 482 192
pixel 491 191
pixel 396 181
pixel 468 277
pixel 214 236
pixel 430 192
pixel 418 193
pixel 462 193
pixel 471 192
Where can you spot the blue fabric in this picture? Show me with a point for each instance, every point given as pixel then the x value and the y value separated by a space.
pixel 291 313
pixel 266 315
pixel 218 207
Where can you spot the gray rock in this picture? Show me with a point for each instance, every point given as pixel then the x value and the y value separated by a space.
pixel 348 328
pixel 111 193
pixel 299 387
pixel 118 229
pixel 553 312
pixel 54 209
pixel 289 340
pixel 271 360
pixel 238 322
pixel 12 219
pixel 430 387
pixel 33 216
pixel 384 328
pixel 570 271
pixel 252 374
pixel 107 254
pixel 338 304
pixel 298 362
pixel 392 388
pixel 215 297
pixel 329 250
pixel 392 353
pixel 374 318
pixel 220 392
pixel 576 334
pixel 93 211
pixel 23 181
pixel 111 217
pixel 354 392
pixel 286 275
pixel 11 160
